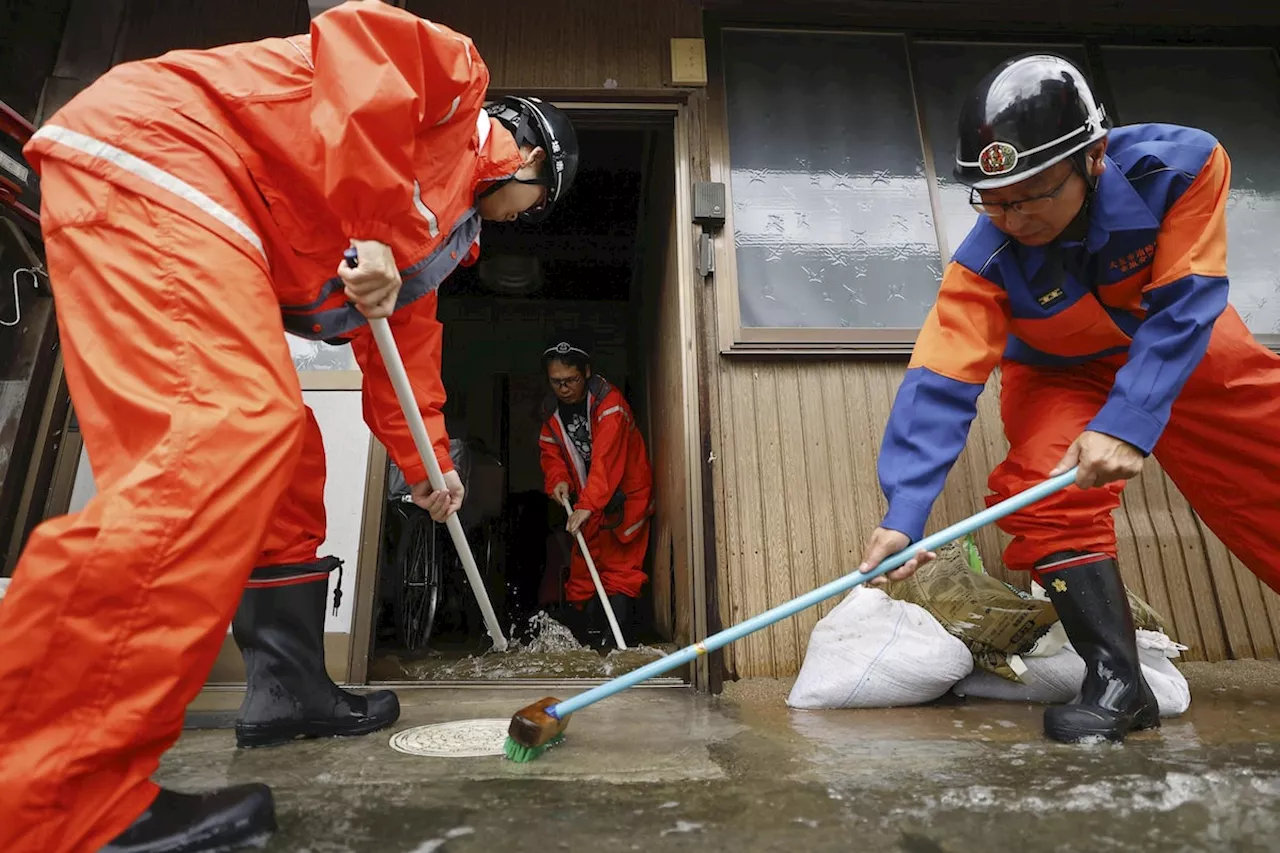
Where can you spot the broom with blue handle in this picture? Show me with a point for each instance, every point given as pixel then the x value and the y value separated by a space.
pixel 418 429
pixel 542 724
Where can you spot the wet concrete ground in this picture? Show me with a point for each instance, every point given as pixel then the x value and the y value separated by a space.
pixel 661 769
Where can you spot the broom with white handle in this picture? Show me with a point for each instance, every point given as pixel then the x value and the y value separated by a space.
pixel 595 578
pixel 418 429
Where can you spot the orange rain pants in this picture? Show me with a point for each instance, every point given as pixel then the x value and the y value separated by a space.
pixel 192 414
pixel 1221 448
pixel 620 564
pixel 297 526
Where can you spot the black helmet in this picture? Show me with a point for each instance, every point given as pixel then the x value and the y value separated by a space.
pixel 1027 114
pixel 532 121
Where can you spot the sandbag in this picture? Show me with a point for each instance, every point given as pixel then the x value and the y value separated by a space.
pixel 992 618
pixel 874 652
pixel 1056 679
pixel 1156 651
pixel 1051 680
pixel 1001 625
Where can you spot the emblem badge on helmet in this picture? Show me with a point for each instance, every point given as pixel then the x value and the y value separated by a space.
pixel 998 158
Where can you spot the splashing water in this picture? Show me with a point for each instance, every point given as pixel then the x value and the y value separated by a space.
pixel 548 650
pixel 548 635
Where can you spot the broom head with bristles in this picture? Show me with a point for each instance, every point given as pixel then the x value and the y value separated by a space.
pixel 533 730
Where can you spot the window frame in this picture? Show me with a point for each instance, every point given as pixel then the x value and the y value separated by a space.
pixel 733 337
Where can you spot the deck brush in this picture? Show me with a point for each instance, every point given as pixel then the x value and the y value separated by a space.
pixel 534 730
pixel 539 726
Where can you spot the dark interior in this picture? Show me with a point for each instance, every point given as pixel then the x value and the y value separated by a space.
pixel 573 277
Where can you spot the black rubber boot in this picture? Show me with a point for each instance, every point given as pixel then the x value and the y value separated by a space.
pixel 1115 699
pixel 289 695
pixel 623 611
pixel 599 634
pixel 222 820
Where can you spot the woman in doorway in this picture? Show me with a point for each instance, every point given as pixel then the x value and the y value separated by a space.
pixel 594 456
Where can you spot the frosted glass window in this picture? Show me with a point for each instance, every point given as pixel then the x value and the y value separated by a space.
pixel 1233 93
pixel 833 226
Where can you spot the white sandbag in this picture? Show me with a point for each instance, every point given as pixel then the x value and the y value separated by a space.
pixel 873 651
pixel 1051 680
pixel 1056 679
pixel 1156 651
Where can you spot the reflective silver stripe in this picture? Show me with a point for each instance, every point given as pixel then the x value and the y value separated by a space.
pixel 453 108
pixel 610 411
pixel 633 528
pixel 433 227
pixel 422 278
pixel 153 174
pixel 305 56
pixel 548 439
pixel 482 128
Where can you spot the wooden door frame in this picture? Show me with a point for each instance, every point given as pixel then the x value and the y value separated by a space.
pixel 661 110
pixel 672 114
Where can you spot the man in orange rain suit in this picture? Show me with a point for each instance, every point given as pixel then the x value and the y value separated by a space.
pixel 1097 279
pixel 594 456
pixel 195 206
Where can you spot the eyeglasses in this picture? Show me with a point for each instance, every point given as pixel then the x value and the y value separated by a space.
pixel 565 383
pixel 1026 206
pixel 541 203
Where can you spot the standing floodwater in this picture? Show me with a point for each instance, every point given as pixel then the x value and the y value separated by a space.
pixel 548 649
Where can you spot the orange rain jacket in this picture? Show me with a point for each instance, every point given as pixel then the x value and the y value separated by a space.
pixel 372 127
pixel 619 465
pixel 619 461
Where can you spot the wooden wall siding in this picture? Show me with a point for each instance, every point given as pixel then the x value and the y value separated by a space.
pixel 573 44
pixel 102 33
pixel 32 31
pixel 659 307
pixel 797 488
pixel 153 27
pixel 1194 17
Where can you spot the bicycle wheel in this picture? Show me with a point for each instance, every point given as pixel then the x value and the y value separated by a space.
pixel 418 597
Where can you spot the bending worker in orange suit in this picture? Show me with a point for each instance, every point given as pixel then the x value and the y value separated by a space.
pixel 594 456
pixel 195 206
pixel 1097 279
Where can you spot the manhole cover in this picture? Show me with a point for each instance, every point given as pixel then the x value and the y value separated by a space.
pixel 459 739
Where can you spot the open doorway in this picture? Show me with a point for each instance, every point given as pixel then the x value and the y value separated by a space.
pixel 601 272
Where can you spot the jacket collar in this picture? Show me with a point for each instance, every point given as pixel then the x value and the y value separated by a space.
pixel 597 389
pixel 1115 206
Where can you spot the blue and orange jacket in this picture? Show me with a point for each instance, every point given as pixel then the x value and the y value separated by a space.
pixel 1148 281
